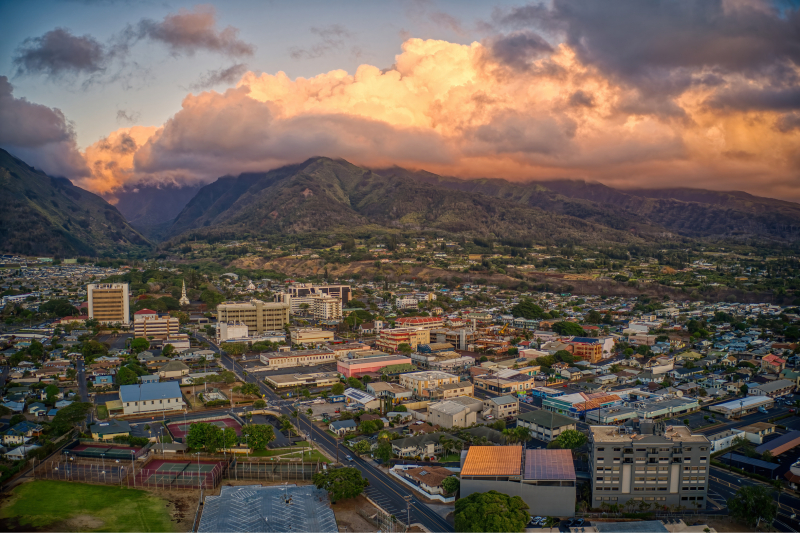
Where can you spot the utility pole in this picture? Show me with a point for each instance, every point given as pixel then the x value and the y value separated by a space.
pixel 408 509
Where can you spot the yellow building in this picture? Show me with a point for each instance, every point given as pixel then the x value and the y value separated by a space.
pixel 311 336
pixel 257 315
pixel 390 339
pixel 109 303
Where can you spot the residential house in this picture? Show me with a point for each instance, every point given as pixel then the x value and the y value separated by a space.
pixel 426 445
pixel 342 427
pixel 105 380
pixel 22 432
pixel 173 369
pixel 428 478
pixel 501 406
pixel 773 363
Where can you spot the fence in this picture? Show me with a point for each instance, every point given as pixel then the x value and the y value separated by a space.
pixel 272 471
pixel 108 472
pixel 383 521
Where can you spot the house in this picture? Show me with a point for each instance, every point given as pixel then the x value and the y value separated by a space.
pixel 109 430
pixel 22 432
pixel 103 381
pixel 773 363
pixel 572 373
pixel 342 427
pixel 501 406
pixel 426 445
pixel 21 452
pixel 428 478
pixel 173 369
pixel 37 409
pixel 479 433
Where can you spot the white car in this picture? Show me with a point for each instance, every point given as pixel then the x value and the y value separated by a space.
pixel 537 520
pixel 488 417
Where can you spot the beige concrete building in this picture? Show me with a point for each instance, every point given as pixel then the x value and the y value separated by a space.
pixel 458 412
pixel 284 359
pixel 422 384
pixel 320 379
pixel 390 339
pixel 109 303
pixel 234 330
pixel 148 324
pixel 257 315
pixel 310 336
pixel 501 406
pixel 326 307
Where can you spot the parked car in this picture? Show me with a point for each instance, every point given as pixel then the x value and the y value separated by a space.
pixel 578 522
pixel 488 417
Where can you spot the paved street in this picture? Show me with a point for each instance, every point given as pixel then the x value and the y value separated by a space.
pixel 390 492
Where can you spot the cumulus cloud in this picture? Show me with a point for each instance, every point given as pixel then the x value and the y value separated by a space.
pixel 59 52
pixel 463 110
pixel 226 75
pixel 39 135
pixel 190 31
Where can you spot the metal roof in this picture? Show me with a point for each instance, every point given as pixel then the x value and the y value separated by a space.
pixel 549 464
pixel 493 461
pixel 149 391
pixel 748 461
pixel 781 444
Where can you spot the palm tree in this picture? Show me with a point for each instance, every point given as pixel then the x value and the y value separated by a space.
pixel 523 434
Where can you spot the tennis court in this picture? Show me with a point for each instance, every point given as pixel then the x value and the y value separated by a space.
pixel 185 474
pixel 180 429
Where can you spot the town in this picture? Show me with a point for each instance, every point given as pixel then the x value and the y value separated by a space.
pixel 400 404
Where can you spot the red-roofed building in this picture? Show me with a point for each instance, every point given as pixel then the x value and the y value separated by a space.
pixel 773 363
pixel 427 322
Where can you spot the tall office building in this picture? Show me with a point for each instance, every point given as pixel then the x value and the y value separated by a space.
pixel 109 303
pixel 655 463
pixel 257 315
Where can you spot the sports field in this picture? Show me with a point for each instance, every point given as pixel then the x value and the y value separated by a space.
pixel 64 506
pixel 180 473
pixel 180 429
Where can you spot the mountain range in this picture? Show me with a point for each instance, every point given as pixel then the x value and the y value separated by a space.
pixel 44 215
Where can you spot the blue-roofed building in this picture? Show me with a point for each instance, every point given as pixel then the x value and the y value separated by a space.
pixel 340 427
pixel 103 381
pixel 151 398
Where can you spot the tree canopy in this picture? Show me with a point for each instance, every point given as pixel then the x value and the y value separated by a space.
pixel 753 503
pixel 139 345
pixel 258 436
pixel 527 309
pixel 491 511
pixel 569 439
pixel 341 483
pixel 338 388
pixel 568 328
pixel 59 307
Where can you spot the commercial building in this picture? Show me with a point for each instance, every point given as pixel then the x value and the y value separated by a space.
pixel 655 463
pixel 382 389
pixel 319 379
pixel 109 303
pixel 300 290
pixel 151 398
pixel 442 360
pixel 326 307
pixel 456 412
pixel 743 406
pixel 149 325
pixel 257 315
pixel 505 382
pixel 231 330
pixel 545 426
pixel 587 349
pixel 544 479
pixel 426 322
pixel 310 336
pixel 576 405
pixel 390 339
pixel 373 362
pixel 422 383
pixel 109 430
pixel 501 406
pixel 284 359
pixel 361 399
pixel 773 389
pixel 461 338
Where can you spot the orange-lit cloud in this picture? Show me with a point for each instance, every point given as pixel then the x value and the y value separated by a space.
pixel 464 110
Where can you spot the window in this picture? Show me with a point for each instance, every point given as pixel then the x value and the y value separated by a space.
pixel 601 449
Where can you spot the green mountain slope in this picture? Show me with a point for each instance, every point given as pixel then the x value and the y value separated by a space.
pixel 689 212
pixel 40 215
pixel 324 194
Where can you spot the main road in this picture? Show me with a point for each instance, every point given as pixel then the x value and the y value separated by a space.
pixel 390 493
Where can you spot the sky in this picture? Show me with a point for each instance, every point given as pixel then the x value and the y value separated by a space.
pixel 680 93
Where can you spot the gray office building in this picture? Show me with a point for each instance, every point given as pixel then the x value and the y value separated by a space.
pixel 659 464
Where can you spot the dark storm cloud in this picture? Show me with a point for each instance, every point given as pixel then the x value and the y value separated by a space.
pixel 766 99
pixel 581 99
pixel 191 31
pixel 788 122
pixel 38 134
pixel 59 52
pixel 331 37
pixel 519 48
pixel 227 76
pixel 658 45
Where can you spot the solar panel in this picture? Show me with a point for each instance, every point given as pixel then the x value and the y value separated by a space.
pixel 549 465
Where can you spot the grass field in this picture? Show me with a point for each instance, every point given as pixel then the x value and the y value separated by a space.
pixel 102 412
pixel 74 506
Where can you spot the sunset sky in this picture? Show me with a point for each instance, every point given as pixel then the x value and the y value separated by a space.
pixel 630 93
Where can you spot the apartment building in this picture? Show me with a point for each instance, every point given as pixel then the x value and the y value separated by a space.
pixel 109 303
pixel 587 349
pixel 501 406
pixel 655 463
pixel 148 324
pixel 421 383
pixel 505 382
pixel 257 315
pixel 321 306
pixel 390 339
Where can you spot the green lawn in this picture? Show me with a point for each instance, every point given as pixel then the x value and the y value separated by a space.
pixel 313 455
pixel 48 504
pixel 450 458
pixel 102 412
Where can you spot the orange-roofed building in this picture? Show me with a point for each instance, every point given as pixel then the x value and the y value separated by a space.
pixel 503 461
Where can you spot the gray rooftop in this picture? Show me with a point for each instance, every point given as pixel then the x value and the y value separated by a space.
pixel 149 391
pixel 267 509
pixel 547 419
pixel 645 526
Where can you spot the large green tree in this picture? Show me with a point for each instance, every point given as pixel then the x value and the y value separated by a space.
pixel 69 417
pixel 258 436
pixel 338 388
pixel 139 345
pixel 126 376
pixel 569 439
pixel 341 483
pixel 527 309
pixel 59 307
pixel 491 511
pixel 568 328
pixel 752 504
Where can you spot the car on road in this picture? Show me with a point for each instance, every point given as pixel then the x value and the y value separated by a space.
pixel 348 458
pixel 762 410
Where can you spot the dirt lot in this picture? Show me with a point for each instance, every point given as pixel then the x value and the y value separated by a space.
pixel 348 519
pixel 182 505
